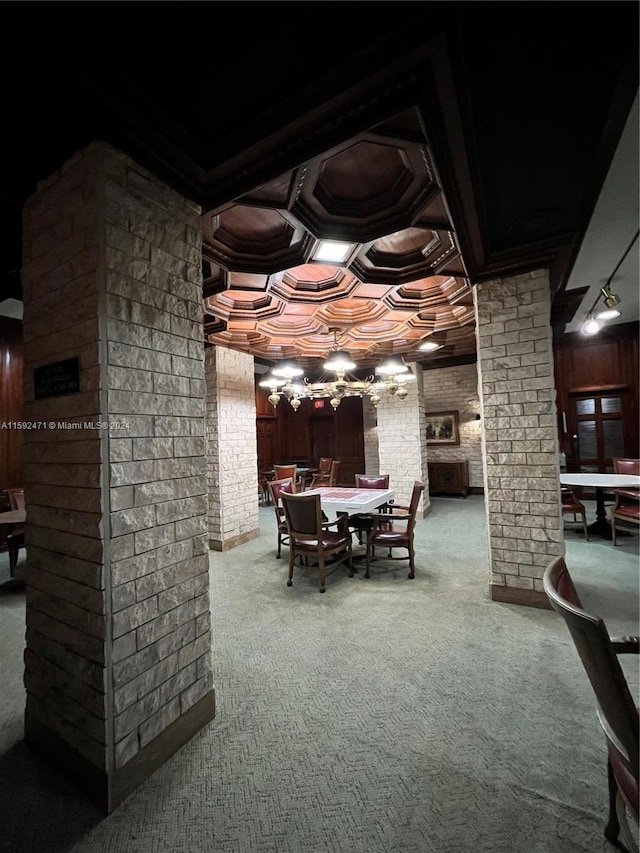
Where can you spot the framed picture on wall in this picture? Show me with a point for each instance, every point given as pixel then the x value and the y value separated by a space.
pixel 442 428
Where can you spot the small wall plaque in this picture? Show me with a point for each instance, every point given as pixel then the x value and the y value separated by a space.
pixel 57 379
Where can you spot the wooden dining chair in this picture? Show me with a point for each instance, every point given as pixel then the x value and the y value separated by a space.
pixel 281 472
pixel 626 505
pixel 311 538
pixel 15 537
pixel 361 522
pixel 395 529
pixel 572 506
pixel 615 706
pixel 276 488
pixel 328 479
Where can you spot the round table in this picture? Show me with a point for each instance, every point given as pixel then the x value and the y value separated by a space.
pixel 601 526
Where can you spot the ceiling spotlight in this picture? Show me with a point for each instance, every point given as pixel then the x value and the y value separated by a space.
pixel 610 299
pixel 590 326
pixel 609 314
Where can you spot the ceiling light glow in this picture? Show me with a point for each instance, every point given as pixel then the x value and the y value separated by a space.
pixel 331 251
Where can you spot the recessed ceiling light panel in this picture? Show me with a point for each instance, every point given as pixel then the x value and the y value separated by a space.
pixel 332 251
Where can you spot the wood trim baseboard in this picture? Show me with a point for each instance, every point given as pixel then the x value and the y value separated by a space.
pixel 515 595
pixel 107 790
pixel 228 544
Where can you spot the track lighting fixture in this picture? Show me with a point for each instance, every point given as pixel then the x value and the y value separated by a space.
pixel 593 322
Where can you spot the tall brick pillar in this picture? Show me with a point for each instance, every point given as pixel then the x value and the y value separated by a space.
pixel 118 673
pixel 520 436
pixel 370 434
pixel 402 441
pixel 232 448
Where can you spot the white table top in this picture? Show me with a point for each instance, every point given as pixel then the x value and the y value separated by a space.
pixel 607 481
pixel 13 516
pixel 351 500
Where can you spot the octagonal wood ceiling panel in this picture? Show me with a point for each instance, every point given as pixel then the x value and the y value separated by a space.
pixel 402 280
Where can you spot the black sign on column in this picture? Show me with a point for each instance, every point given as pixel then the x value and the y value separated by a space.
pixel 56 380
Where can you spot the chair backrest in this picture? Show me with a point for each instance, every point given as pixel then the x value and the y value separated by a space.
pixel 333 473
pixel 416 494
pixel 569 500
pixel 626 466
pixel 365 481
pixel 616 709
pixel 16 498
pixel 303 514
pixel 283 471
pixel 277 487
pixel 324 464
pixel 628 494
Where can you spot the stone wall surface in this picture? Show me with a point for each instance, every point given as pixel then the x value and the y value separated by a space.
pixel 456 389
pixel 515 360
pixel 118 634
pixel 232 455
pixel 370 435
pixel 401 439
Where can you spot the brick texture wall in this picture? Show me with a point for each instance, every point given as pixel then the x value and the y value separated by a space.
pixel 456 389
pixel 370 435
pixel 118 641
pixel 232 456
pixel 515 361
pixel 401 439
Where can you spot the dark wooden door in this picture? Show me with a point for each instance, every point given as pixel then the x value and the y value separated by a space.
pixel 323 437
pixel 597 426
pixel 267 443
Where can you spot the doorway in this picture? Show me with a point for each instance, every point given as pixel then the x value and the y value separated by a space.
pixel 596 426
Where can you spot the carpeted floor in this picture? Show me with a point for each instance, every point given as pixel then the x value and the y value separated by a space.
pixel 385 715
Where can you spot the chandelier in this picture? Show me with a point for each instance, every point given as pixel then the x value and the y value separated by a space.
pixel 286 380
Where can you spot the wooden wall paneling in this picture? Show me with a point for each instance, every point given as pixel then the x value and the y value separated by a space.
pixel 608 360
pixel 11 400
pixel 349 440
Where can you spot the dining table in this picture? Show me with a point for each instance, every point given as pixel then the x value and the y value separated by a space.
pixel 357 504
pixel 348 501
pixel 601 526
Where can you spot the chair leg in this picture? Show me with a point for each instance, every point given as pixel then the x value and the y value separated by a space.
pixel 412 568
pixel 369 550
pixel 613 530
pixel 291 561
pixel 612 829
pixel 584 525
pixel 322 569
pixel 13 548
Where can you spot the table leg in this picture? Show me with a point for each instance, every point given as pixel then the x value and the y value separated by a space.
pixel 601 526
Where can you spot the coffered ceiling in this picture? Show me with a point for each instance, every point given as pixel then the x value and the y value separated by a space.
pixel 447 143
pixel 403 281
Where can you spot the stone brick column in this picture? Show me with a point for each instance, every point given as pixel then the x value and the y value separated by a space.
pixel 402 441
pixel 232 448
pixel 515 366
pixel 118 672
pixel 370 434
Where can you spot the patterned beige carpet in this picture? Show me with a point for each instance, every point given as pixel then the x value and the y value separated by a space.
pixel 385 715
